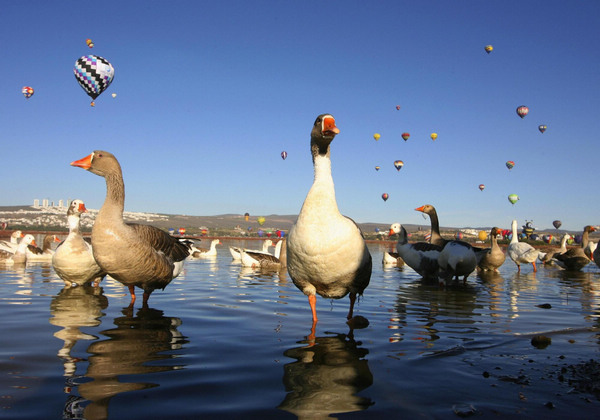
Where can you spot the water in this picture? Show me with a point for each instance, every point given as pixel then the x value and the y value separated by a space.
pixel 225 342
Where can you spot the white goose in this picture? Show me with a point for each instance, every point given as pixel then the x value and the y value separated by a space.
pixel 44 253
pixel 11 246
pixel 547 257
pixel 420 256
pixel 205 252
pixel 521 252
pixel 20 254
pixel 326 252
pixel 235 250
pixel 73 259
pixel 258 259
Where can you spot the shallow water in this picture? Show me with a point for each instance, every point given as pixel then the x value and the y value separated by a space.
pixel 223 342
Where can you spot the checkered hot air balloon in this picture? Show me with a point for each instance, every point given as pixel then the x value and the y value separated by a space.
pixel 94 74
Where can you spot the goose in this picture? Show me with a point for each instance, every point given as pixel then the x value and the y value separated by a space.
pixel 457 258
pixel 11 246
pixel 420 256
pixel 20 254
pixel 490 259
pixel 326 251
pixel 574 259
pixel 521 252
pixel 392 258
pixel 587 245
pixel 547 257
pixel 596 255
pixel 73 259
pixel 45 253
pixel 133 254
pixel 268 261
pixel 235 250
pixel 205 252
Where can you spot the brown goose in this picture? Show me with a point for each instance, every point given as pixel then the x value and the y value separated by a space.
pixel 574 259
pixel 73 260
pixel 136 255
pixel 258 259
pixel 490 259
pixel 35 253
pixel 547 257
pixel 326 252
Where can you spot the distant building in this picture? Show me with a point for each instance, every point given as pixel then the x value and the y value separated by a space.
pixel 36 203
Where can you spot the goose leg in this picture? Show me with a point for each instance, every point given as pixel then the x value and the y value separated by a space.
pixel 132 293
pixel 145 299
pixel 352 300
pixel 312 301
pixel 534 267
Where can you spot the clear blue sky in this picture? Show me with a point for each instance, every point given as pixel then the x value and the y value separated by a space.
pixel 210 92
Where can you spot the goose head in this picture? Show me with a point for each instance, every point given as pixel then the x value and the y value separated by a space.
pixel 100 163
pixel 77 207
pixel 394 228
pixel 28 239
pixel 427 209
pixel 323 132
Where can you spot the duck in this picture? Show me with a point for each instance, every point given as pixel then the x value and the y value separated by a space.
pixel 196 252
pixel 20 254
pixel 521 252
pixel 136 255
pixel 326 251
pixel 235 250
pixel 266 261
pixel 588 246
pixel 457 258
pixel 490 259
pixel 574 259
pixel 73 261
pixel 13 243
pixel 44 253
pixel 420 256
pixel 547 257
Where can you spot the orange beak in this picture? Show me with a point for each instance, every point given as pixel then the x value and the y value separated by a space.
pixel 391 232
pixel 417 209
pixel 84 163
pixel 56 238
pixel 329 126
pixel 33 243
pixel 81 208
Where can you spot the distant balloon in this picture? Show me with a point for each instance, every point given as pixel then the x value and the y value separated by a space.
pixel 510 164
pixel 489 49
pixel 398 107
pixel 27 91
pixel 283 155
pixel 89 43
pixel 182 231
pixel 482 235
pixel 522 111
pixel 376 136
pixel 398 164
pixel 261 220
pixel 481 187
pixel 542 128
pixel 94 74
pixel 114 95
pixel 513 198
pixel 385 196
pixel 377 168
pixel 433 136
pixel 246 216
pixel 557 224
pixel 405 136
pixel 547 238
pixel 459 236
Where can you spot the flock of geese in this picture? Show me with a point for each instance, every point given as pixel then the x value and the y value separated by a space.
pixel 325 252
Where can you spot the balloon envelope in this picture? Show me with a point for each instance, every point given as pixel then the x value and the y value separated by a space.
pixel 385 196
pixel 376 136
pixel 89 43
pixel 481 187
pixel 398 164
pixel 405 136
pixel 398 107
pixel 513 198
pixel 27 91
pixel 261 220
pixel 510 164
pixel 94 74
pixel 377 168
pixel 482 235
pixel 542 128
pixel 489 49
pixel 433 136
pixel 557 224
pixel 283 155
pixel 522 111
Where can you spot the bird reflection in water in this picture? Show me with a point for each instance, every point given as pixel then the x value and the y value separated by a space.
pixel 134 347
pixel 326 376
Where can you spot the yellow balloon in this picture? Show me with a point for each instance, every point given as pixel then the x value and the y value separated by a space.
pixel 489 49
pixel 376 136
pixel 433 136
pixel 482 235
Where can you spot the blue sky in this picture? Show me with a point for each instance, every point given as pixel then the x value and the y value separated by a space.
pixel 210 93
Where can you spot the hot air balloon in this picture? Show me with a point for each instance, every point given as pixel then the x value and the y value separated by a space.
pixel 283 155
pixel 489 49
pixel 522 111
pixel 542 128
pixel 513 198
pixel 261 220
pixel 385 196
pixel 89 43
pixel 94 74
pixel 376 136
pixel 398 107
pixel 433 136
pixel 377 168
pixel 510 164
pixel 27 91
pixel 557 224
pixel 459 236
pixel 482 235
pixel 481 187
pixel 398 164
pixel 405 136
pixel 182 231
pixel 246 216
pixel 114 95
